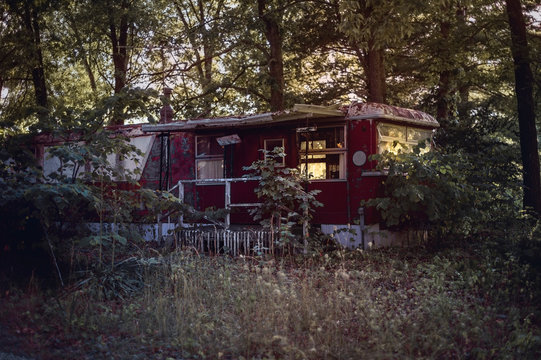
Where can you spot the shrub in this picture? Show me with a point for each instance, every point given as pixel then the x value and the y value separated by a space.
pixel 286 204
pixel 446 193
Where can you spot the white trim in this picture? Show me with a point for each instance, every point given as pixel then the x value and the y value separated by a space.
pixel 283 140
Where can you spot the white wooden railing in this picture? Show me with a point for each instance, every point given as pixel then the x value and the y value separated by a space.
pixel 225 240
pixel 227 199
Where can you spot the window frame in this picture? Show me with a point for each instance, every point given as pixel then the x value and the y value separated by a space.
pixel 283 141
pixel 409 144
pixel 341 151
pixel 208 157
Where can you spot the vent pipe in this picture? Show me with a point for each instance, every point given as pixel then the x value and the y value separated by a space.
pixel 166 112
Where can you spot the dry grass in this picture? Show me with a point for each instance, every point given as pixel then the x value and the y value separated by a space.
pixel 378 306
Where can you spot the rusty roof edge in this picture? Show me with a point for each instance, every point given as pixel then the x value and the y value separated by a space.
pixel 319 110
pixel 266 118
pixel 277 117
pixel 376 116
pixel 207 123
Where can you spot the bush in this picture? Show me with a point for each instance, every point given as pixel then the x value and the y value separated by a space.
pixel 448 194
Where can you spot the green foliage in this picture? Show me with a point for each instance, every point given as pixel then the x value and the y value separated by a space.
pixel 451 191
pixel 423 190
pixel 381 24
pixel 285 201
pixel 121 281
pixel 48 211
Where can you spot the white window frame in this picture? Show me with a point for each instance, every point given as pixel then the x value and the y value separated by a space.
pixel 407 143
pixel 207 158
pixel 281 163
pixel 341 151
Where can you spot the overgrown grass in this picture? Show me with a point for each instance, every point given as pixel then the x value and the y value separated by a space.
pixel 379 305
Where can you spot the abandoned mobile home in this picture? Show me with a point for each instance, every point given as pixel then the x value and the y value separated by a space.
pixel 202 161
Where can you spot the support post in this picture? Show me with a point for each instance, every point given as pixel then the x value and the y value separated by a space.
pixel 227 204
pixel 361 226
pixel 181 199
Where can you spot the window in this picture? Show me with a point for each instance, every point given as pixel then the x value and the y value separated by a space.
pixel 322 153
pixel 209 158
pixel 271 144
pixel 395 138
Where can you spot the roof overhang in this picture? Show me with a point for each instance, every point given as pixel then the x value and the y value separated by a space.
pixel 396 119
pixel 378 111
pixel 300 112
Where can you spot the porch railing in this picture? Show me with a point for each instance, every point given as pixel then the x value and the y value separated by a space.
pixel 227 199
pixel 224 240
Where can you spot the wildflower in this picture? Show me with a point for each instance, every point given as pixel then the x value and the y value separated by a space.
pixel 344 275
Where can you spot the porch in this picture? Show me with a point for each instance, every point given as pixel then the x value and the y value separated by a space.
pixel 221 237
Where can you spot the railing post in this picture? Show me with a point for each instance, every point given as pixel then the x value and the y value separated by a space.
pixel 227 202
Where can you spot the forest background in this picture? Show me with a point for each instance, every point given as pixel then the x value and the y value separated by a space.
pixel 75 66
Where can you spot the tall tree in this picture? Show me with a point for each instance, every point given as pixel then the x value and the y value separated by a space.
pixel 270 17
pixel 206 33
pixel 524 84
pixel 120 25
pixel 372 29
pixel 29 15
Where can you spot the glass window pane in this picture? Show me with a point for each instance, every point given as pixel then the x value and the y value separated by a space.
pixel 326 138
pixel 316 170
pixel 325 158
pixel 208 146
pixel 270 144
pixel 392 131
pixel 333 166
pixel 392 147
pixel 210 169
pixel 324 166
pixel 415 135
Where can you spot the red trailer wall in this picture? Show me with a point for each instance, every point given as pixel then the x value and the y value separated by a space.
pixel 362 136
pixel 334 195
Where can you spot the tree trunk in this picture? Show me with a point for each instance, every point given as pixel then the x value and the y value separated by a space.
pixel 275 57
pixel 526 109
pixel 120 57
pixel 444 84
pixel 375 75
pixel 446 99
pixel 443 104
pixel 38 72
pixel 85 58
